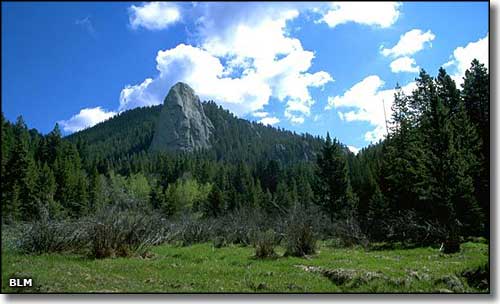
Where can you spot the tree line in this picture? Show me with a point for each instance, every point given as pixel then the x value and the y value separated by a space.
pixel 426 182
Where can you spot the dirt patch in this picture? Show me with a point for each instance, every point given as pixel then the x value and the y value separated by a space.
pixel 341 276
pixel 452 282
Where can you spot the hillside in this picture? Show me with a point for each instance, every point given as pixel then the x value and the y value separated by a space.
pixel 233 139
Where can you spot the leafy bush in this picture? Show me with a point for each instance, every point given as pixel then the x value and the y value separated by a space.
pixel 264 244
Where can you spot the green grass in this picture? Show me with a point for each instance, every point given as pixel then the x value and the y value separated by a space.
pixel 202 268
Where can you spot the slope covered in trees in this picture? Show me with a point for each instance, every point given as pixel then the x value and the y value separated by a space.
pixel 234 139
pixel 426 183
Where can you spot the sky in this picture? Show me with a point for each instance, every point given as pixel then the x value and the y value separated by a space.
pixel 306 67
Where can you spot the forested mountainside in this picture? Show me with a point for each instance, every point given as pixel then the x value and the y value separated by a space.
pixel 426 183
pixel 129 134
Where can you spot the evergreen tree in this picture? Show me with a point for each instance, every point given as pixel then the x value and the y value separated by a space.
pixel 214 204
pixel 21 177
pixel 476 97
pixel 271 175
pixel 96 199
pixel 9 195
pixel 46 188
pixel 283 197
pixel 377 216
pixel 333 189
pixel 51 146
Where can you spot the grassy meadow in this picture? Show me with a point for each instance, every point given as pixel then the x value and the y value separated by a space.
pixel 203 268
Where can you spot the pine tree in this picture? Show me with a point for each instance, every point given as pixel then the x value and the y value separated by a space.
pixel 377 216
pixel 283 197
pixel 449 140
pixel 402 168
pixel 22 176
pixel 333 189
pixel 466 167
pixel 9 195
pixel 447 91
pixel 81 198
pixel 214 204
pixel 96 199
pixel 51 146
pixel 271 175
pixel 46 188
pixel 476 97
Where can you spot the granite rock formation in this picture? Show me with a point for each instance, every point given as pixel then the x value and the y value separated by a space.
pixel 182 125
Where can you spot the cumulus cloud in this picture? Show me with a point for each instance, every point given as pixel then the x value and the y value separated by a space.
pixel 366 101
pixel 463 56
pixel 382 14
pixel 154 15
pixel 244 57
pixel 269 121
pixel 204 73
pixel 409 43
pixel 404 64
pixel 85 119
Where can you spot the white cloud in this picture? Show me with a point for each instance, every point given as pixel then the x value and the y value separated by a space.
pixel 260 114
pixel 353 149
pixel 295 119
pixel 137 96
pixel 383 14
pixel 404 64
pixel 367 98
pixel 204 73
pixel 463 56
pixel 154 15
pixel 409 43
pixel 269 121
pixel 244 57
pixel 85 119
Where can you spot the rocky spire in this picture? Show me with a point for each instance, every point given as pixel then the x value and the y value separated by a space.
pixel 182 125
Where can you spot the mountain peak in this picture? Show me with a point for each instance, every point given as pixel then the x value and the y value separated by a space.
pixel 182 125
pixel 181 86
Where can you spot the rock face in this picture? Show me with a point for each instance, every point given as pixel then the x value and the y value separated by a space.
pixel 182 125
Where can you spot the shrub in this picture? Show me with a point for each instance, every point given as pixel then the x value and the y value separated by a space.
pixel 300 238
pixel 408 228
pixel 191 231
pixel 219 242
pixel 49 236
pixel 264 244
pixel 348 233
pixel 123 233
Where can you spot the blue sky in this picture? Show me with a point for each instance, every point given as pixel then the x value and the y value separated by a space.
pixel 307 67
